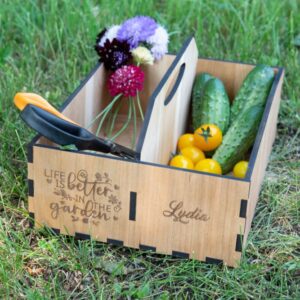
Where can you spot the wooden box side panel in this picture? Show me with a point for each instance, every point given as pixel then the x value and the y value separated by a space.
pixel 83 105
pixel 263 154
pixel 93 96
pixel 138 205
pixel 232 74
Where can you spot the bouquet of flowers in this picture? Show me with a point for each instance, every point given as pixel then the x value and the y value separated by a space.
pixel 123 49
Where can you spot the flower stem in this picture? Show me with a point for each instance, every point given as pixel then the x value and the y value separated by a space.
pixel 126 124
pixel 139 105
pixel 101 122
pixel 108 107
pixel 108 122
pixel 105 115
pixel 134 123
pixel 112 124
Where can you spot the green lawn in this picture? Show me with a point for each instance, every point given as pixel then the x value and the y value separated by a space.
pixel 47 47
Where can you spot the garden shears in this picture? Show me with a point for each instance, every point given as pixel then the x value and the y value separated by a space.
pixel 41 116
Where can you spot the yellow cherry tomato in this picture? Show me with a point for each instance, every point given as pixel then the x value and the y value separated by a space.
pixel 185 140
pixel 208 137
pixel 209 165
pixel 193 153
pixel 180 161
pixel 240 169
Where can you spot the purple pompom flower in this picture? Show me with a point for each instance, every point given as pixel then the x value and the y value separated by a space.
pixel 136 30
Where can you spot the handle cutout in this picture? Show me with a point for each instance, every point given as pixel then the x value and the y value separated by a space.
pixel 176 85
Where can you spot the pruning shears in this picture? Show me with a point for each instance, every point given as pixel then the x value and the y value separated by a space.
pixel 41 116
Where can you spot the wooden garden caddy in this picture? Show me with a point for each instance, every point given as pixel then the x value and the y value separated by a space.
pixel 146 204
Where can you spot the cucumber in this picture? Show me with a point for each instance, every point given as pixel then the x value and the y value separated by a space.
pixel 199 83
pixel 214 106
pixel 254 90
pixel 239 138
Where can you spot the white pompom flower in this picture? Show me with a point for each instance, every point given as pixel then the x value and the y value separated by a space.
pixel 142 55
pixel 159 42
pixel 110 34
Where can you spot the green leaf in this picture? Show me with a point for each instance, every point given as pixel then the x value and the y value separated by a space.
pixel 113 267
pixel 143 291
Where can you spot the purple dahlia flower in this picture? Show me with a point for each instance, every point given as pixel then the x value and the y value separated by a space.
pixel 136 30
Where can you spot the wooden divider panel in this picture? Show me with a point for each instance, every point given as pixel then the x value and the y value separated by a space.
pixel 168 117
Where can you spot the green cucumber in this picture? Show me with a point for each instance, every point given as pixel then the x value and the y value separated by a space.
pixel 199 83
pixel 214 105
pixel 239 138
pixel 253 91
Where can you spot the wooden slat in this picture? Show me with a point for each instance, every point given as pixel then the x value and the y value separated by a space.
pixel 30 170
pixel 31 201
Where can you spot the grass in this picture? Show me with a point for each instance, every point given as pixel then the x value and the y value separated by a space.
pixel 47 47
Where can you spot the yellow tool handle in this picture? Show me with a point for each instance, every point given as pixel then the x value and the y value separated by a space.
pixel 22 99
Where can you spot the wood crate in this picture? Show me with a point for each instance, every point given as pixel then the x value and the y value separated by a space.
pixel 146 204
